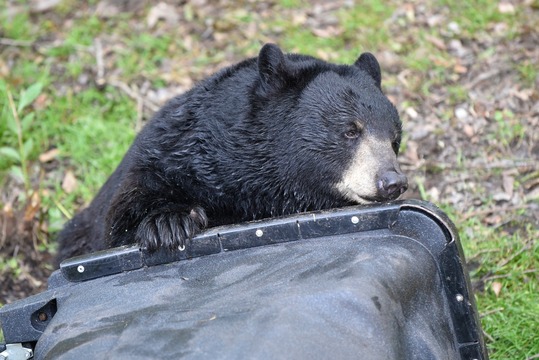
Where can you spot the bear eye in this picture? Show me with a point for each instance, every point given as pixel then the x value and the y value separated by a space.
pixel 396 145
pixel 353 132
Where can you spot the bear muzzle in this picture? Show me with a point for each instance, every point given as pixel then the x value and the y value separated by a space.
pixel 391 185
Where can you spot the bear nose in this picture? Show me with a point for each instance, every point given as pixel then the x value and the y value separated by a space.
pixel 391 185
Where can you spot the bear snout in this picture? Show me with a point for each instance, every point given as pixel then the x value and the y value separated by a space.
pixel 391 185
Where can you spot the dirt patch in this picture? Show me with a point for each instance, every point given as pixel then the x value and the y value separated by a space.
pixel 21 239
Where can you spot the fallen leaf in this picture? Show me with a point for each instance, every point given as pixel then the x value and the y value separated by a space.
pixel 434 194
pixel 162 11
pixel 112 8
pixel 435 20
pixel 411 152
pixel 468 130
pixel 32 207
pixel 501 196
pixel 409 10
pixel 69 184
pixel 299 18
pixel 508 182
pixel 8 209
pixel 532 195
pixel 453 27
pixel 48 156
pixel 524 94
pixel 461 113
pixel 327 32
pixel 325 55
pixel 496 287
pixel 40 6
pixel 460 69
pixel 506 8
pixel 41 102
pixel 411 112
pixel 493 219
pixel 440 62
pixel 4 69
pixel 437 42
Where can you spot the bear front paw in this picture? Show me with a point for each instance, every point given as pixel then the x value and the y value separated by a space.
pixel 170 229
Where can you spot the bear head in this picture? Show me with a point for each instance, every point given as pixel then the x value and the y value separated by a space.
pixel 338 133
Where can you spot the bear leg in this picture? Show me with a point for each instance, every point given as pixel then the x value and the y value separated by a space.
pixel 152 216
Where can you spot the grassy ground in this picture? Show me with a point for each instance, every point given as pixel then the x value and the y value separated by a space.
pixel 77 81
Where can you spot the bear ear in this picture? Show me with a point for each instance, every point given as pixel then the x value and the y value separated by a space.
pixel 367 62
pixel 271 66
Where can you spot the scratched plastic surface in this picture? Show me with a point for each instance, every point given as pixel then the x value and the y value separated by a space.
pixel 383 282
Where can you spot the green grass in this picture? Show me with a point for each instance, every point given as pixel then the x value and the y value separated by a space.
pixel 529 72
pixel 97 136
pixel 510 264
pixel 475 17
pixel 509 129
pixel 93 128
pixel 346 45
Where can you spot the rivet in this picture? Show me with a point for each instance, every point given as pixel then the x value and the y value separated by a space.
pixel 460 298
pixel 42 316
pixel 181 247
pixel 355 219
pixel 259 233
pixel 80 268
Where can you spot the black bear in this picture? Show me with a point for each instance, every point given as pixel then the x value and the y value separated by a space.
pixel 272 135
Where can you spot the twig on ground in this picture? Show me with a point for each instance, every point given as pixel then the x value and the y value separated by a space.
pixel 490 275
pixel 527 246
pixel 488 336
pixel 486 76
pixel 140 113
pixel 481 252
pixel 61 207
pixel 22 152
pixel 100 78
pixel 133 94
pixel 133 91
pixel 41 46
pixel 490 312
pixel 529 165
pixel 482 212
pixel 12 42
pixel 3 230
pixel 496 277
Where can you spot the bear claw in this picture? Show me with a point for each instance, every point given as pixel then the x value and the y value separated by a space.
pixel 172 230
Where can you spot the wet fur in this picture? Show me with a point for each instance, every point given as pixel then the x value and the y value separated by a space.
pixel 259 139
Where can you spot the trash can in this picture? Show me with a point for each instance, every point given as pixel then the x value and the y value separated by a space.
pixel 377 282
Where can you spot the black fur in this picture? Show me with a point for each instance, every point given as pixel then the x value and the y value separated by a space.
pixel 263 138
